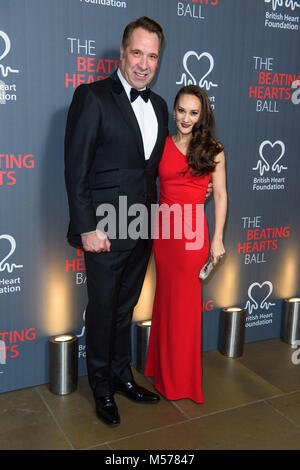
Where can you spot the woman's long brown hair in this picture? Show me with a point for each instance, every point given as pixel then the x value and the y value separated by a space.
pixel 203 148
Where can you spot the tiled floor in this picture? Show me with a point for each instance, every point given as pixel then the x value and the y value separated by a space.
pixel 252 402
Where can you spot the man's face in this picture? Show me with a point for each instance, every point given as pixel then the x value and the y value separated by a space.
pixel 139 60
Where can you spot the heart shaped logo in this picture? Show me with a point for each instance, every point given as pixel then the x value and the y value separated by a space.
pixel 3 54
pixel 292 4
pixel 270 152
pixel 258 295
pixel 6 266
pixel 188 78
pixel 83 328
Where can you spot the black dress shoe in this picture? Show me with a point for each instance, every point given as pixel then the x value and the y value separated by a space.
pixel 107 411
pixel 136 393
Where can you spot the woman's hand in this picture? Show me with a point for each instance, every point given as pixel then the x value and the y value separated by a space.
pixel 217 250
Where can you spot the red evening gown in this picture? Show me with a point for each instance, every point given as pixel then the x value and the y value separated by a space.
pixel 174 352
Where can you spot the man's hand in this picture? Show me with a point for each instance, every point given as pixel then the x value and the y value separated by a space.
pixel 96 242
pixel 209 189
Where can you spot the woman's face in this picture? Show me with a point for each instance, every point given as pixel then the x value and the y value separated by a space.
pixel 187 113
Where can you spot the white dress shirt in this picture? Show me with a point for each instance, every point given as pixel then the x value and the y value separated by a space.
pixel 145 116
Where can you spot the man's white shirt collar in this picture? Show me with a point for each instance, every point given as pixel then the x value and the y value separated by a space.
pixel 145 116
pixel 125 84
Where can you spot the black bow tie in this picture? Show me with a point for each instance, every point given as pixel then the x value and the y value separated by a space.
pixel 145 94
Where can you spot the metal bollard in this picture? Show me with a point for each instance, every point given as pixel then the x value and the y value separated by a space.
pixel 63 364
pixel 143 334
pixel 291 320
pixel 232 336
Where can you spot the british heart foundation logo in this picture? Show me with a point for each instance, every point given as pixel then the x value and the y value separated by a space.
pixel 7 90
pixel 259 304
pixel 8 283
pixel 270 157
pixel 271 167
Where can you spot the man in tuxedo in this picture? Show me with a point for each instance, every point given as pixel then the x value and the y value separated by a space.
pixel 115 134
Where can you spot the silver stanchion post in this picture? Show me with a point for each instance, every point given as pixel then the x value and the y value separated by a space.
pixel 143 334
pixel 232 333
pixel 291 320
pixel 63 364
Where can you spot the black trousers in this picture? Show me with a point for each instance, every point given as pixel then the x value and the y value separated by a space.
pixel 114 282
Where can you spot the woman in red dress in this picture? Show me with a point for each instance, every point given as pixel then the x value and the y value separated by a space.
pixel 181 245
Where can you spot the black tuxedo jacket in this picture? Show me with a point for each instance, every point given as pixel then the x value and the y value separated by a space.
pixel 104 155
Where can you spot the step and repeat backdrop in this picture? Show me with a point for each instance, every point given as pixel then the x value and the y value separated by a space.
pixel 245 53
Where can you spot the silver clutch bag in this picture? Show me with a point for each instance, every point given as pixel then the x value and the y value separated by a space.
pixel 207 269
